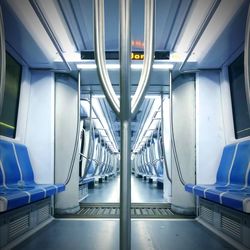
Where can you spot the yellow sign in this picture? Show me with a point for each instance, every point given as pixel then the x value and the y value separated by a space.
pixel 137 56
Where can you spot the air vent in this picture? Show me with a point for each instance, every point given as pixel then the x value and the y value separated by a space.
pixel 231 226
pixel 206 214
pixel 18 226
pixel 43 214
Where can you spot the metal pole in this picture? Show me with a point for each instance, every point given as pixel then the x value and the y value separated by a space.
pixel 163 137
pixel 125 117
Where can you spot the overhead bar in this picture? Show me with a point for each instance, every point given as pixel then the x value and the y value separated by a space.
pixel 49 31
pixel 201 30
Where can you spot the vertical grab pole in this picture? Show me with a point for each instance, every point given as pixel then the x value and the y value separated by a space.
pixel 125 118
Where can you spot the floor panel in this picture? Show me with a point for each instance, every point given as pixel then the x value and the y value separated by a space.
pixel 103 235
pixel 141 192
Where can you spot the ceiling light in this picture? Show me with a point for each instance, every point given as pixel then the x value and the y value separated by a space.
pixel 135 66
pixel 163 66
pixel 86 66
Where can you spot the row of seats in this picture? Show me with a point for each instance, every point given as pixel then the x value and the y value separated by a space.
pixel 152 172
pixel 96 171
pixel 17 185
pixel 232 186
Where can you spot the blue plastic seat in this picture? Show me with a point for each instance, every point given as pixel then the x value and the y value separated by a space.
pixel 17 185
pixel 232 182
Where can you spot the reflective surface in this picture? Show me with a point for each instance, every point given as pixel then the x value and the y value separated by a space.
pixel 141 192
pixel 103 234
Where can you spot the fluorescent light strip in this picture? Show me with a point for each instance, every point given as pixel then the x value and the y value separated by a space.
pixel 117 66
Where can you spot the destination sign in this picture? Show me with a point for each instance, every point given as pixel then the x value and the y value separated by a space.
pixel 135 55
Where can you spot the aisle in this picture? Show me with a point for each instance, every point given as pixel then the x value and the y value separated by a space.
pixel 109 192
pixel 104 235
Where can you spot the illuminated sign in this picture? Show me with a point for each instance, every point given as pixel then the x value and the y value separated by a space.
pixel 135 55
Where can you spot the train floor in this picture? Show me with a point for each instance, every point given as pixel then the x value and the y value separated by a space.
pixel 141 192
pixel 104 235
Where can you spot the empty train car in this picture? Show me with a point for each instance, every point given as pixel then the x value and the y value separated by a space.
pixel 124 124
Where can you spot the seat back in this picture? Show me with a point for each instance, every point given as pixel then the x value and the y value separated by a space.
pixel 159 168
pixel 225 165
pixel 15 164
pixel 10 169
pixel 24 163
pixel 240 166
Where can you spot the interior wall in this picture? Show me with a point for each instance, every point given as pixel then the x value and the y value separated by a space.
pixel 167 187
pixel 184 133
pixel 23 105
pixel 37 110
pixel 65 135
pixel 226 103
pixel 210 132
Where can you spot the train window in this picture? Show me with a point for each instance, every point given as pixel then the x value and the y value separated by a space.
pixel 8 117
pixel 238 94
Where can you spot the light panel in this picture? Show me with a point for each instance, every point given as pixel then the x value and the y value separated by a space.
pixel 195 19
pixel 53 15
pixel 135 66
pixel 223 15
pixel 27 16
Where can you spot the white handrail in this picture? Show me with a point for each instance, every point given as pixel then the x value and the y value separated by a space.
pixel 99 43
pixel 99 38
pixel 148 55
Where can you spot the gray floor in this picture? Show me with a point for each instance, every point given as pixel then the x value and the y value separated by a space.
pixel 142 192
pixel 104 234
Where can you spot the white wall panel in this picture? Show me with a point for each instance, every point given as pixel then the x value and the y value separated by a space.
pixel 65 135
pixel 167 191
pixel 210 137
pixel 23 107
pixel 39 136
pixel 184 132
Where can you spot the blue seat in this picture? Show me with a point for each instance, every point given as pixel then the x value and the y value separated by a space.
pixel 159 172
pixel 17 185
pixel 89 178
pixel 232 186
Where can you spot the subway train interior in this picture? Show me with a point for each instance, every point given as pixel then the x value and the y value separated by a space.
pixel 124 124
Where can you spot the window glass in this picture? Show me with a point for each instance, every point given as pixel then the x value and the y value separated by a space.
pixel 239 101
pixel 8 117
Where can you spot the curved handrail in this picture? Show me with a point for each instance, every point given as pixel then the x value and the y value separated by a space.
pixel 77 138
pixel 149 24
pixel 99 43
pixel 90 136
pixel 96 161
pixel 100 55
pixel 247 60
pixel 176 159
pixel 3 61
pixel 163 144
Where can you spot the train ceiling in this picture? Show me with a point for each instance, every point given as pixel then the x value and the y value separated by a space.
pixel 34 26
